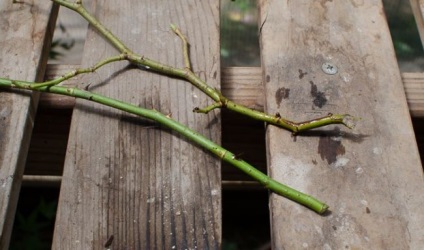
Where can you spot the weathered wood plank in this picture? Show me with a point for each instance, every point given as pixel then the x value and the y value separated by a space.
pixel 128 182
pixel 243 85
pixel 47 150
pixel 25 35
pixel 413 84
pixel 371 176
pixel 240 84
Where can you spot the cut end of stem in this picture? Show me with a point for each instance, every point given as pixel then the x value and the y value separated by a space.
pixel 317 206
pixel 324 209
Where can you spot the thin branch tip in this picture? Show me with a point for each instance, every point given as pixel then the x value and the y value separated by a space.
pixel 186 56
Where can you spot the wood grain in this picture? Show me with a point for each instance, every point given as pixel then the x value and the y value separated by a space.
pixel 414 89
pixel 243 85
pixel 25 35
pixel 370 176
pixel 129 183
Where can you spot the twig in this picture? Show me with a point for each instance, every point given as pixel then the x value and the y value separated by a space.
pixel 185 46
pixel 202 141
pixel 187 74
pixel 69 75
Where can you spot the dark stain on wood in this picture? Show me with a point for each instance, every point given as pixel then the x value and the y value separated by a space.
pixel 314 162
pixel 109 241
pixel 280 94
pixel 302 74
pixel 367 210
pixel 329 148
pixel 319 96
pixel 268 78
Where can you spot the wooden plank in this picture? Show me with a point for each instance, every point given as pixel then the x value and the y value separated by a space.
pixel 370 176
pixel 128 182
pixel 47 150
pixel 240 84
pixel 25 36
pixel 414 89
pixel 243 85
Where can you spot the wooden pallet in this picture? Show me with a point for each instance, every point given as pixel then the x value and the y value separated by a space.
pixel 25 42
pixel 128 183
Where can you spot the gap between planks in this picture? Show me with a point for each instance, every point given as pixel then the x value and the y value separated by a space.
pixel 240 84
pixel 55 181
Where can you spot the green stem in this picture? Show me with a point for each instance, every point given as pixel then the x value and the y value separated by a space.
pixel 202 141
pixel 188 75
pixel 185 46
pixel 76 72
pixel 80 9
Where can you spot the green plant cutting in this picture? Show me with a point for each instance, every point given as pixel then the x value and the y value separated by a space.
pixel 220 101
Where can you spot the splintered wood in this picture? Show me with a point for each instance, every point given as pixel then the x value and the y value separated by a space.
pixel 371 176
pixel 129 183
